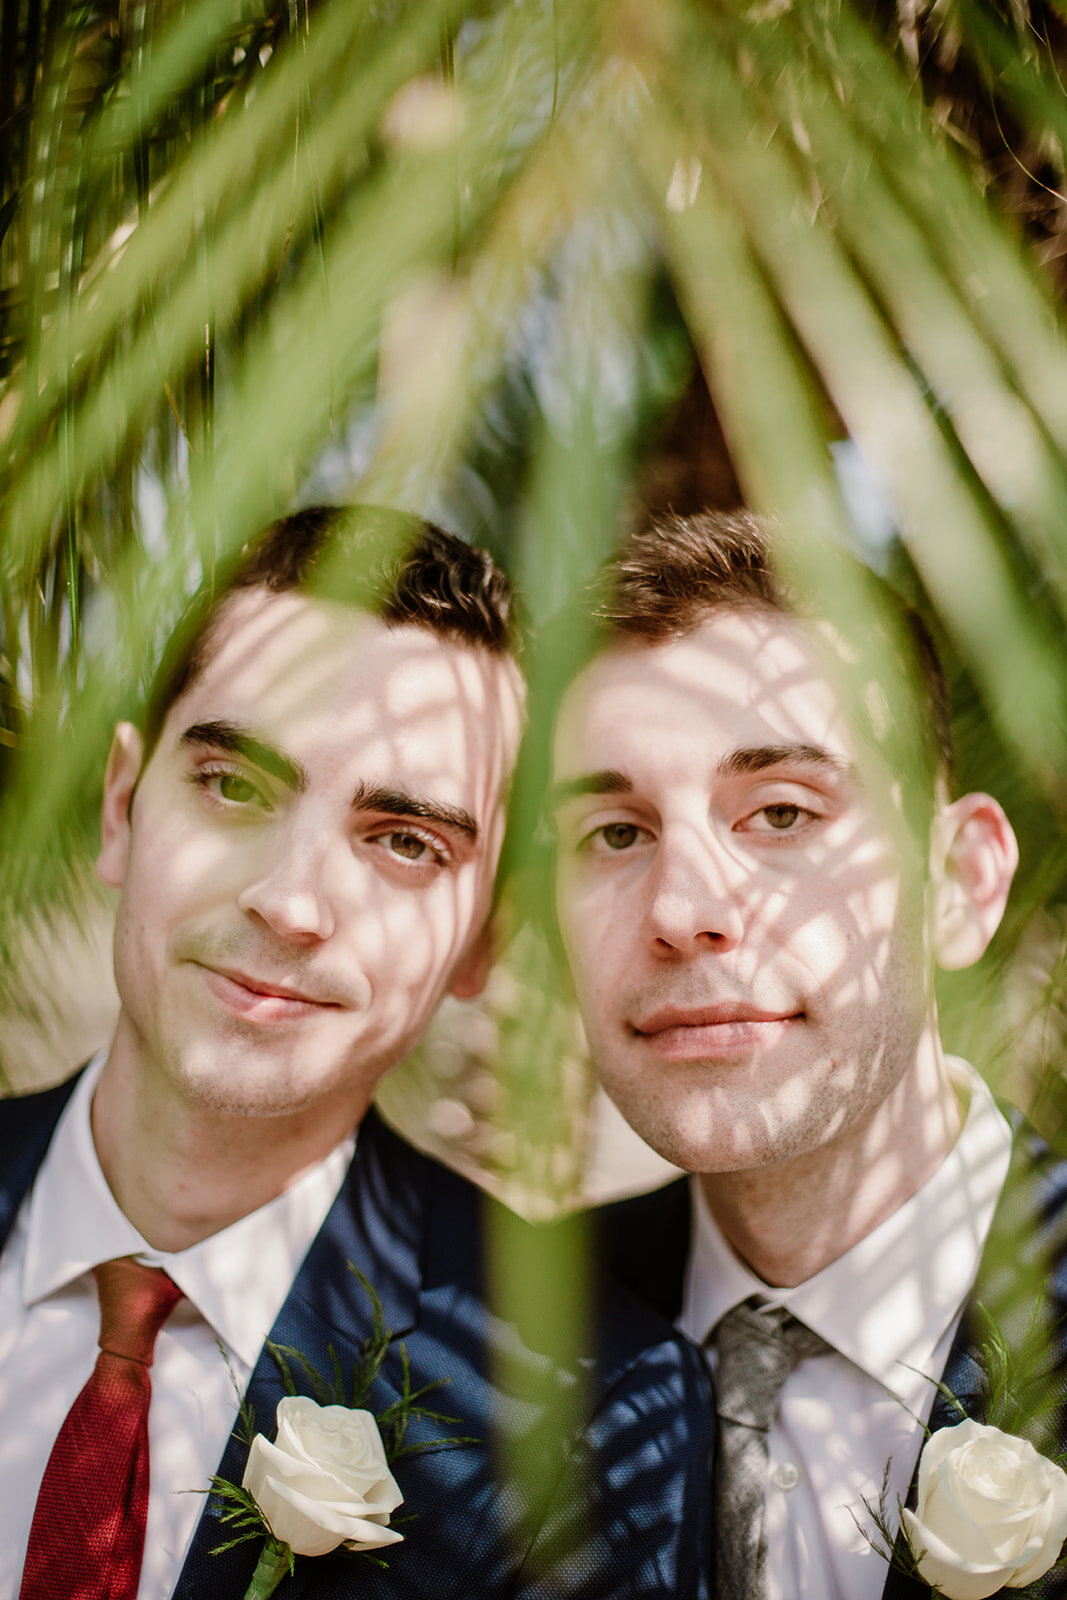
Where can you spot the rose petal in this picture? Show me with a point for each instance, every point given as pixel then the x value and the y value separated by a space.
pixel 965 1527
pixel 942 1444
pixel 943 1568
pixel 370 1534
pixel 1033 1562
pixel 1055 1532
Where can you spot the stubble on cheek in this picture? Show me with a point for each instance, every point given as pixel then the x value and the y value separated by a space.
pixel 747 1114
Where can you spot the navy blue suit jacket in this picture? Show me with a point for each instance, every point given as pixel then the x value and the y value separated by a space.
pixel 1023 1273
pixel 611 1496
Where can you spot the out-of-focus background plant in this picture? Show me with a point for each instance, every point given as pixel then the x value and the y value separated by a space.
pixel 528 267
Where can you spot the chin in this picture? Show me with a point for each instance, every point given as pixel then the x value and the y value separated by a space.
pixel 705 1131
pixel 239 1087
pixel 247 1100
pixel 687 1134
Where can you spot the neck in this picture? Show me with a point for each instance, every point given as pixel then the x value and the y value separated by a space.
pixel 788 1221
pixel 182 1172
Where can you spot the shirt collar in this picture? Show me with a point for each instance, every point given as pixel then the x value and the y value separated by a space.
pixel 237 1279
pixel 886 1303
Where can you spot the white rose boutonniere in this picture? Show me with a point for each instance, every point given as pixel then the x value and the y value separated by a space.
pixel 991 1512
pixel 325 1480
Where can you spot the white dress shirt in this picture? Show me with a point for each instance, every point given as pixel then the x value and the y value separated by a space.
pixel 890 1304
pixel 235 1283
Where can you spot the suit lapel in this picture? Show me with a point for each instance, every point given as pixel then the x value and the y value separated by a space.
pixel 1020 1277
pixel 644 1243
pixel 26 1129
pixel 963 1378
pixel 376 1223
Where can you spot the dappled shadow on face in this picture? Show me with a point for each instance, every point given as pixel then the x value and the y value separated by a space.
pixel 746 914
pixel 318 825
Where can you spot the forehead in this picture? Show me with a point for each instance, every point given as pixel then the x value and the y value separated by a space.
pixel 740 679
pixel 335 688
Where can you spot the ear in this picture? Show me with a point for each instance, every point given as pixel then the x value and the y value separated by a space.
pixel 470 976
pixel 120 780
pixel 974 859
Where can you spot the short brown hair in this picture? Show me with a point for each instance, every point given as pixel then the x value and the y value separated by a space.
pixel 667 576
pixel 386 563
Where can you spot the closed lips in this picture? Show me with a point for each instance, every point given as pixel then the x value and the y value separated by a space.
pixel 268 989
pixel 708 1017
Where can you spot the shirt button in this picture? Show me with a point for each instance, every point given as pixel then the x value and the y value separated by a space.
pixel 786 1475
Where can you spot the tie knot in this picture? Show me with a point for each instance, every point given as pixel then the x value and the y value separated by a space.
pixel 135 1302
pixel 758 1346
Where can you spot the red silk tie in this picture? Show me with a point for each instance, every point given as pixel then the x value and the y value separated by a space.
pixel 87 1537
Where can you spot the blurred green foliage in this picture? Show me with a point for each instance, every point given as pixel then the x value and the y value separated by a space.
pixel 528 266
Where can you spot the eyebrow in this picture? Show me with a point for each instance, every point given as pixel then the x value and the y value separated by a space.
pixel 757 758
pixel 749 759
pixel 605 782
pixel 237 741
pixel 399 803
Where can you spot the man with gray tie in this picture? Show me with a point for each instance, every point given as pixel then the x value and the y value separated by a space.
pixel 761 858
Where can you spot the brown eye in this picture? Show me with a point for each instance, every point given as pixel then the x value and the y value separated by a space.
pixel 781 817
pixel 619 835
pixel 408 845
pixel 418 849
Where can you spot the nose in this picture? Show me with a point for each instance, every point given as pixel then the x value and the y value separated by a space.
pixel 291 893
pixel 695 896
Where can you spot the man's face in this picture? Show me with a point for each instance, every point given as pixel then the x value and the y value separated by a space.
pixel 749 956
pixel 307 862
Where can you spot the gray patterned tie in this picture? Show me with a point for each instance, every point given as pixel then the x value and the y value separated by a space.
pixel 758 1346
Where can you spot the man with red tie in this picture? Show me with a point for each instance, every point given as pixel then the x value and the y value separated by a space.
pixel 303 833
